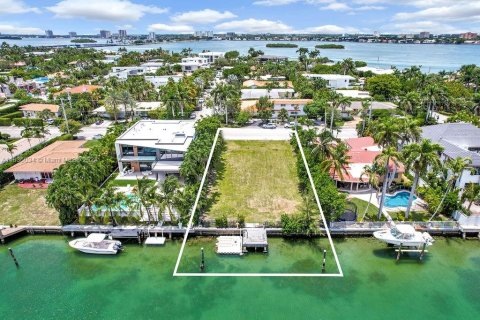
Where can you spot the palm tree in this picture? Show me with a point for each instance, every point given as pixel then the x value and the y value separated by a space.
pixel 112 101
pixel 389 154
pixel 146 192
pixel 28 134
pixel 409 102
pixel 337 163
pixel 386 132
pixel 419 157
pixel 366 110
pixel 88 193
pixel 302 56
pixel 222 93
pixel 126 99
pixel 471 193
pixel 344 102
pixel 410 130
pixel 169 190
pixel 372 172
pixel 432 94
pixel 108 199
pixel 10 148
pixel 324 144
pixel 347 65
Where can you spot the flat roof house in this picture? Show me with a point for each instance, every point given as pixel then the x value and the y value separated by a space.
pixel 141 110
pixel 248 94
pixel 294 107
pixel 458 140
pixel 32 110
pixel 191 64
pixel 212 56
pixel 335 81
pixel 43 163
pixel 154 147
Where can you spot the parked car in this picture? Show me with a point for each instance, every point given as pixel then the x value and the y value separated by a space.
pixel 98 136
pixel 193 115
pixel 269 126
pixel 291 125
pixel 99 122
pixel 50 121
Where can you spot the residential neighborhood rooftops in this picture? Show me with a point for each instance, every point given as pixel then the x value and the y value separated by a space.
pixel 328 76
pixel 79 89
pixel 50 157
pixel 272 94
pixel 354 94
pixel 37 107
pixel 160 134
pixel 457 138
pixel 264 83
pixel 291 101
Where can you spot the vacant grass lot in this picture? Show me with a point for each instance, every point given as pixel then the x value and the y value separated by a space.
pixel 25 207
pixel 259 181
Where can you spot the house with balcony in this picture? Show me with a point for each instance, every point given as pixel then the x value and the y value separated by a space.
pixel 212 56
pixel 154 148
pixel 458 140
pixel 191 64
pixel 334 81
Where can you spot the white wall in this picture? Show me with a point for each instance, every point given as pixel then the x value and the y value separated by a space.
pixel 27 175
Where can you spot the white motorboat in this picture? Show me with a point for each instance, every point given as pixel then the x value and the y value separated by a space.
pixel 404 235
pixel 96 243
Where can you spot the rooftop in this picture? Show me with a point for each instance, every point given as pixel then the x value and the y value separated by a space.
pixel 40 107
pixel 79 89
pixel 328 76
pixel 273 94
pixel 50 157
pixel 160 134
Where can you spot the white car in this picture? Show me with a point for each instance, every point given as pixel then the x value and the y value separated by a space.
pixel 269 126
pixel 291 125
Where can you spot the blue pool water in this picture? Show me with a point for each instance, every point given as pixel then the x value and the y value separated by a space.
pixel 41 80
pixel 398 200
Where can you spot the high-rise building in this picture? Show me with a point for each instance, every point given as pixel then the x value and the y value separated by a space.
pixel 105 34
pixel 72 34
pixel 49 33
pixel 151 36
pixel 122 33
pixel 424 35
pixel 203 34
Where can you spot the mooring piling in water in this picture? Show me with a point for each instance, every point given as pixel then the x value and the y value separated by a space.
pixel 324 259
pixel 202 263
pixel 13 257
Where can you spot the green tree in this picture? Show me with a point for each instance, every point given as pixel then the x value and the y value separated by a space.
pixel 264 108
pixel 385 85
pixel 283 115
pixel 73 127
pixel 10 148
pixel 112 103
pixel 389 154
pixel 418 157
pixel 372 172
pixel 471 193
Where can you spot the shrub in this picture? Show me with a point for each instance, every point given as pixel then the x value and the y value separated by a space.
pixel 13 115
pixel 221 222
pixel 5 122
pixel 241 220
pixel 20 122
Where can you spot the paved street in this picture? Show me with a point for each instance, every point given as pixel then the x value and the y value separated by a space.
pixel 89 132
pixel 23 144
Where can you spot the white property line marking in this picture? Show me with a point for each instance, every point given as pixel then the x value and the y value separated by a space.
pixel 189 226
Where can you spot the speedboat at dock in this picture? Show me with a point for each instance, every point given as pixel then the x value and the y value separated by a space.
pixel 96 243
pixel 404 235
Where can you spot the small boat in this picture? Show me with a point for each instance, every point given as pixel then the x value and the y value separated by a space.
pixel 404 235
pixel 95 243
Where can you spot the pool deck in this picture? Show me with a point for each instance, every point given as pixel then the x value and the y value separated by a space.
pixel 418 204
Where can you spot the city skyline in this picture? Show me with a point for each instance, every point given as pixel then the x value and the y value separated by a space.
pixel 245 16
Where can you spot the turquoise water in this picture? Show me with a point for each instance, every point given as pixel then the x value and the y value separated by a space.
pixel 56 282
pixel 432 57
pixel 400 199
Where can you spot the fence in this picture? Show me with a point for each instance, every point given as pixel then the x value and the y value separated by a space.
pixel 366 227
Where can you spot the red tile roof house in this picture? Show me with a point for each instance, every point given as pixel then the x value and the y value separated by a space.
pixel 362 152
pixel 79 89
pixel 31 110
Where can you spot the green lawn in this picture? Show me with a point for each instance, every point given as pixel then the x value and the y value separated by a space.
pixel 259 181
pixel 91 143
pixel 361 206
pixel 25 207
pixel 122 183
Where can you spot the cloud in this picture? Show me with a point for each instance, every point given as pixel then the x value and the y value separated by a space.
pixel 170 28
pixel 454 12
pixel 370 8
pixel 202 16
pixel 272 3
pixel 15 7
pixel 419 26
pixel 337 6
pixel 330 29
pixel 255 26
pixel 109 10
pixel 11 29
pixel 126 27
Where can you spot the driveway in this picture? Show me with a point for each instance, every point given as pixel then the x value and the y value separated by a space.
pixel 88 132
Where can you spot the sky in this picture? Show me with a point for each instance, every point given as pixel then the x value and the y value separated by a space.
pixel 241 16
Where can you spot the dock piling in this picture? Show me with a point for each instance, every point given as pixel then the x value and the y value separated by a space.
pixel 399 252
pixel 202 264
pixel 13 257
pixel 324 260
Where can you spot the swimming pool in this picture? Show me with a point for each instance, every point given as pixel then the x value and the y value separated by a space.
pixel 400 199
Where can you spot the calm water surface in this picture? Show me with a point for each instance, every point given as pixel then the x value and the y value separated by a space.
pixel 56 282
pixel 431 57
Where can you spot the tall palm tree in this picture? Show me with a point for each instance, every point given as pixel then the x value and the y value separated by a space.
pixel 169 190
pixel 337 163
pixel 347 65
pixel 410 130
pixel 366 112
pixel 471 193
pixel 88 193
pixel 389 154
pixel 108 199
pixel 126 99
pixel 409 102
pixel 112 101
pixel 222 93
pixel 324 144
pixel 372 172
pixel 386 132
pixel 146 192
pixel 433 93
pixel 419 157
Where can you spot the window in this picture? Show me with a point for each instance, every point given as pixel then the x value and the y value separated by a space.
pixel 127 150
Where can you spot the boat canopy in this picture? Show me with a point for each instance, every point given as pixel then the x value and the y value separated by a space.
pixel 96 237
pixel 405 228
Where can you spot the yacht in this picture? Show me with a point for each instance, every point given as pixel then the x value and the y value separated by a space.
pixel 96 243
pixel 404 235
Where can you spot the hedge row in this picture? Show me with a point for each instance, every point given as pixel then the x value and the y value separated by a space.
pixel 8 110
pixel 13 115
pixel 5 122
pixel 7 177
pixel 20 122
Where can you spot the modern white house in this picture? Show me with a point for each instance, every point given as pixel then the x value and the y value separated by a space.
pixel 334 81
pixel 154 148
pixel 159 81
pixel 191 64
pixel 458 140
pixel 377 71
pixel 355 94
pixel 212 56
pixel 141 110
pixel 248 94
